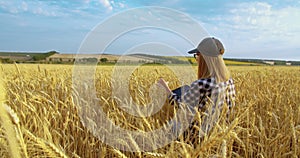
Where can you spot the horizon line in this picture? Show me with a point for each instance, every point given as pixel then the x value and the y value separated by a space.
pixel 244 58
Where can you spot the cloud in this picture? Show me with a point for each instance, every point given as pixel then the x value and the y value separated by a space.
pixel 258 29
pixel 24 6
pixel 8 6
pixel 263 18
pixel 106 4
pixel 54 8
pixel 33 7
pixel 246 26
pixel 253 15
pixel 122 5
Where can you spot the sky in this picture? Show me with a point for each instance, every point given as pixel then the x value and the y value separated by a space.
pixel 268 29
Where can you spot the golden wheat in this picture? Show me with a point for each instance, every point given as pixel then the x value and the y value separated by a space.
pixel 43 119
pixel 7 128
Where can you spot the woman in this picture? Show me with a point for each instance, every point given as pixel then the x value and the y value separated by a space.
pixel 214 85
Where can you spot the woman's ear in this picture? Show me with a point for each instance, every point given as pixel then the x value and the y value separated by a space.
pixel 222 51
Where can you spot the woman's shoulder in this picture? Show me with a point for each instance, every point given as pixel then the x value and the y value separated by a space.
pixel 205 82
pixel 230 81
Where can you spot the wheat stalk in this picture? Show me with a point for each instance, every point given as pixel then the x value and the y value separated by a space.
pixel 293 133
pixel 10 133
pixel 16 121
pixel 7 123
pixel 50 149
pixel 42 100
pixel 224 149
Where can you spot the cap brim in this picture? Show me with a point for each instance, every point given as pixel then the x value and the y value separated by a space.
pixel 193 51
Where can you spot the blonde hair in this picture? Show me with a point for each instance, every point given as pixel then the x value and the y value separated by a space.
pixel 202 68
pixel 213 67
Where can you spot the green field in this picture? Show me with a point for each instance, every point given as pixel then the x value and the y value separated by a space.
pixel 24 57
pixel 227 62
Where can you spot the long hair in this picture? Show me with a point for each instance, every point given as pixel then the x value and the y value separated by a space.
pixel 212 67
pixel 202 68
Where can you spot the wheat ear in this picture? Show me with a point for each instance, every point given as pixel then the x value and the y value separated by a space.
pixel 49 148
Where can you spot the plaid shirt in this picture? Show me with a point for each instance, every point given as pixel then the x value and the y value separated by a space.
pixel 205 90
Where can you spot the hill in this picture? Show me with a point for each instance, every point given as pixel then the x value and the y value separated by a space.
pixel 58 58
pixel 11 57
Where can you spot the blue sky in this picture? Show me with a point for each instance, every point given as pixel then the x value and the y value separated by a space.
pixel 249 29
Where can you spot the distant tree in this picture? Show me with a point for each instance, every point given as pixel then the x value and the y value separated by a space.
pixel 103 60
pixel 43 56
pixel 35 58
pixel 6 60
pixel 52 52
pixel 92 60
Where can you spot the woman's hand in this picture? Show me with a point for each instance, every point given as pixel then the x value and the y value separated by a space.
pixel 164 84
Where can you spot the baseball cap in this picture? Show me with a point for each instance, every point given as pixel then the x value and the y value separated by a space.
pixel 209 46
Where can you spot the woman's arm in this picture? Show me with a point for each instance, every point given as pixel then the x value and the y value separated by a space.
pixel 164 84
pixel 193 95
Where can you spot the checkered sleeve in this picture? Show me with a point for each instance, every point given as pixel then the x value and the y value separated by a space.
pixel 192 96
pixel 197 94
pixel 231 94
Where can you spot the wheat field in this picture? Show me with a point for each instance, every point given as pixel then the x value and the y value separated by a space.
pixel 39 116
